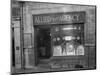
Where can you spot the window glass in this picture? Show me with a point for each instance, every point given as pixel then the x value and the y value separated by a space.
pixel 68 40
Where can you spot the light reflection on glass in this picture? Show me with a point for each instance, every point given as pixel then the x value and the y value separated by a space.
pixel 69 28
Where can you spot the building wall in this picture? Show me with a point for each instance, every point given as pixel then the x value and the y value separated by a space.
pixel 15 24
pixel 31 9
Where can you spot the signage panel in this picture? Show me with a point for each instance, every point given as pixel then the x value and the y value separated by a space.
pixel 59 18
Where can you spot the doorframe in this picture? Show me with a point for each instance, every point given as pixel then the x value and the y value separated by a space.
pixel 35 43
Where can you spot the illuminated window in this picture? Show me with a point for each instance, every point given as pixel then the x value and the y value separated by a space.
pixel 68 40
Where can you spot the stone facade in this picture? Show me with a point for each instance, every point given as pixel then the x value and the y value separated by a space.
pixel 33 8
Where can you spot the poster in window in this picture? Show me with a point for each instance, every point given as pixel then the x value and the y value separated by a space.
pixel 70 49
pixel 80 50
pixel 57 51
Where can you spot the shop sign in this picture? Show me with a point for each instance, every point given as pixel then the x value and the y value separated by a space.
pixel 59 18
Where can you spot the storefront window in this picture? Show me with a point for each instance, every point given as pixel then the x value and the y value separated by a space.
pixel 68 40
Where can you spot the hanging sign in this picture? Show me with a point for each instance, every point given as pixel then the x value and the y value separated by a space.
pixel 59 18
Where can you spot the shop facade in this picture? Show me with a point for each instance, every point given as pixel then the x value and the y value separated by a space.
pixel 53 37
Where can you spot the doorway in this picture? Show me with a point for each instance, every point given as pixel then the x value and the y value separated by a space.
pixel 43 42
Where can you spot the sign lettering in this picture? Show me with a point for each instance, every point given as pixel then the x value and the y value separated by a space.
pixel 59 18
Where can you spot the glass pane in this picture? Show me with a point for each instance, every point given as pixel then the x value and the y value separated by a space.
pixel 68 40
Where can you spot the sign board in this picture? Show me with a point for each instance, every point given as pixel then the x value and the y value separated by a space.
pixel 59 18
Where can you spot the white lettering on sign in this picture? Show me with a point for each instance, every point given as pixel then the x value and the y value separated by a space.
pixel 58 18
pixel 48 19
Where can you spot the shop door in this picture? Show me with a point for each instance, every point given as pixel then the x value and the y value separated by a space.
pixel 42 42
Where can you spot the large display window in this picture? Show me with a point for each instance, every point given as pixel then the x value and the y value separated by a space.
pixel 68 40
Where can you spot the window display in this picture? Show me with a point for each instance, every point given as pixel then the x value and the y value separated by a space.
pixel 68 40
pixel 80 50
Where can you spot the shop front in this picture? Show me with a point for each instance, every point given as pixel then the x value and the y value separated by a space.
pixel 50 37
pixel 59 39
